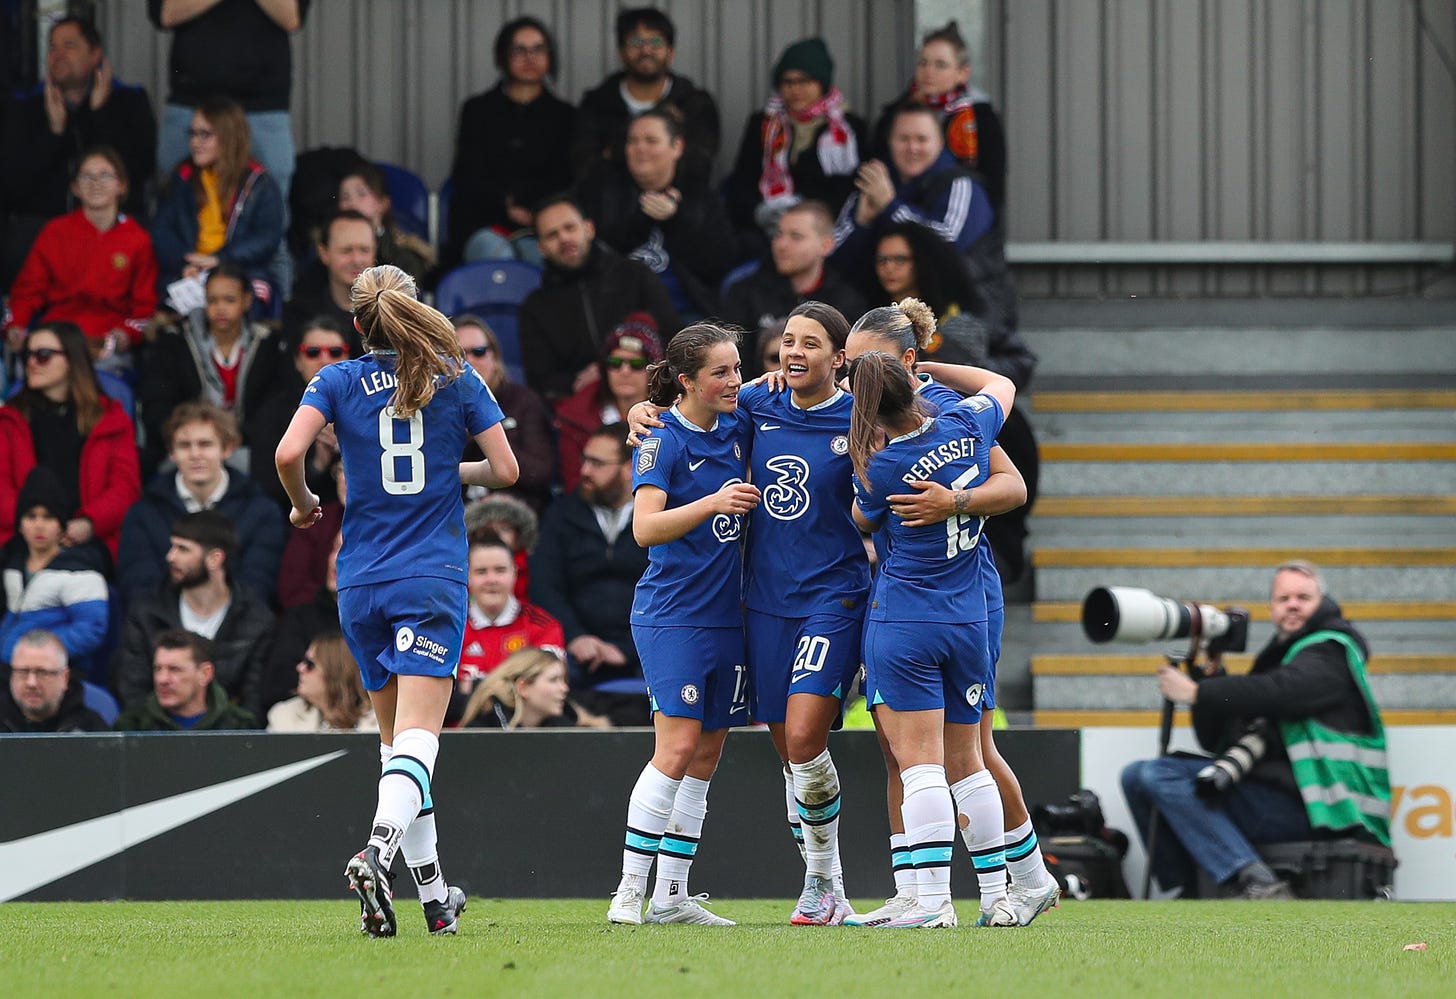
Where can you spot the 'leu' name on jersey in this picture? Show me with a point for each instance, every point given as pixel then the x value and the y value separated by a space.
pixel 964 447
pixel 377 381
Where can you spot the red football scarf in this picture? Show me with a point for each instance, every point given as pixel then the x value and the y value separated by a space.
pixel 838 149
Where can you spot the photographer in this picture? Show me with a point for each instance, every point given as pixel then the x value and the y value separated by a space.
pixel 1301 730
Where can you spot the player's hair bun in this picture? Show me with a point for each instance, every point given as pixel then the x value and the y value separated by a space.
pixel 922 319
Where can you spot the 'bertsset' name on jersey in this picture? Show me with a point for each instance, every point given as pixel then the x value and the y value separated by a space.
pixel 927 464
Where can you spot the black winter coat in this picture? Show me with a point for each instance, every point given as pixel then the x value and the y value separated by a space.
pixel 566 320
pixel 240 648
pixel 73 715
pixel 602 119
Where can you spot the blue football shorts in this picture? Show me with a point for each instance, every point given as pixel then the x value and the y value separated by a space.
pixel 404 627
pixel 799 655
pixel 695 673
pixel 921 666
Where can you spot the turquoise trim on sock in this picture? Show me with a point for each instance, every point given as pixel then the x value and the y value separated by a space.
pixel 930 855
pixel 641 842
pixel 989 861
pixel 414 768
pixel 1017 852
pixel 682 846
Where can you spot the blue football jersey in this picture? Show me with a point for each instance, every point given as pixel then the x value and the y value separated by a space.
pixel 932 573
pixel 804 553
pixel 695 580
pixel 939 396
pixel 404 516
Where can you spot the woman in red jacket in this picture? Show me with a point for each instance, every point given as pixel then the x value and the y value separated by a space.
pixel 61 419
pixel 94 266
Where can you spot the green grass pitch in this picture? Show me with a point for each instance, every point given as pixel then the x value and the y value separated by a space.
pixel 564 948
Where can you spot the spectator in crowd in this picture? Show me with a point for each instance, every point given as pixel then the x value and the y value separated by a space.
pixel 309 551
pixel 1306 699
pixel 921 183
pixel 184 694
pixel 508 519
pixel 93 266
pixel 220 205
pixel 804 144
pixel 48 586
pixel 499 623
pixel 527 423
pixel 585 569
pixel 214 355
pixel 645 42
pixel 300 624
pixel 79 105
pixel 973 131
pixel 527 690
pixel 365 191
pixel 509 151
pixel 237 49
pixel 199 596
pixel 330 694
pixel 42 695
pixel 586 291
pixel 347 246
pixel 63 421
pixel 648 210
pixel 802 242
pixel 633 345
pixel 199 438
pixel 322 343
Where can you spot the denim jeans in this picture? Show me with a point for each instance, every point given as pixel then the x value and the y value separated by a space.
pixel 272 143
pixel 1216 834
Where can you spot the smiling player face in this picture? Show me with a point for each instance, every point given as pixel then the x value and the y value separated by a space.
pixel 714 388
pixel 808 356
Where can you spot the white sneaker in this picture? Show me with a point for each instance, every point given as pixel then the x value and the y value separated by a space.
pixel 898 905
pixel 689 910
pixel 919 918
pixel 1028 903
pixel 626 905
pixel 999 914
pixel 842 908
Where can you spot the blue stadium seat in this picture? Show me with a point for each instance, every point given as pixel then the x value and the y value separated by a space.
pixel 409 198
pixel 442 210
pixel 99 700
pixel 493 290
pixel 738 274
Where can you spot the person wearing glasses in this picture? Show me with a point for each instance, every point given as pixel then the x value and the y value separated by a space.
pixel 527 422
pixel 509 151
pixel 62 419
pixel 645 43
pixel 94 266
pixel 330 694
pixel 216 355
pixel 630 348
pixel 322 342
pixel 43 695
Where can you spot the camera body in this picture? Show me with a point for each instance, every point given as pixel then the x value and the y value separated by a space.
pixel 1133 615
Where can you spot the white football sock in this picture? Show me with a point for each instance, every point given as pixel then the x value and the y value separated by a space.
pixel 680 842
pixel 648 811
pixel 929 817
pixel 979 802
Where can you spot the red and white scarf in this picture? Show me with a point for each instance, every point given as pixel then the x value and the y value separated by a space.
pixel 838 148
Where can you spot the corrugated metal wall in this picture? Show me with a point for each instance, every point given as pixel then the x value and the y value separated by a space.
pixel 1128 120
pixel 1227 120
pixel 389 76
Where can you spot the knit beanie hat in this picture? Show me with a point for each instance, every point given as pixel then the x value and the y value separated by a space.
pixel 809 56
pixel 43 489
pixel 637 331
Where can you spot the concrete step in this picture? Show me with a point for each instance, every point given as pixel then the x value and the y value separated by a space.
pixel 1233 401
pixel 1118 683
pixel 1182 452
pixel 1368 505
pixel 1078 718
pixel 1347 582
pixel 1415 636
pixel 1268 427
pixel 1061 477
pixel 1234 351
pixel 1207 532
